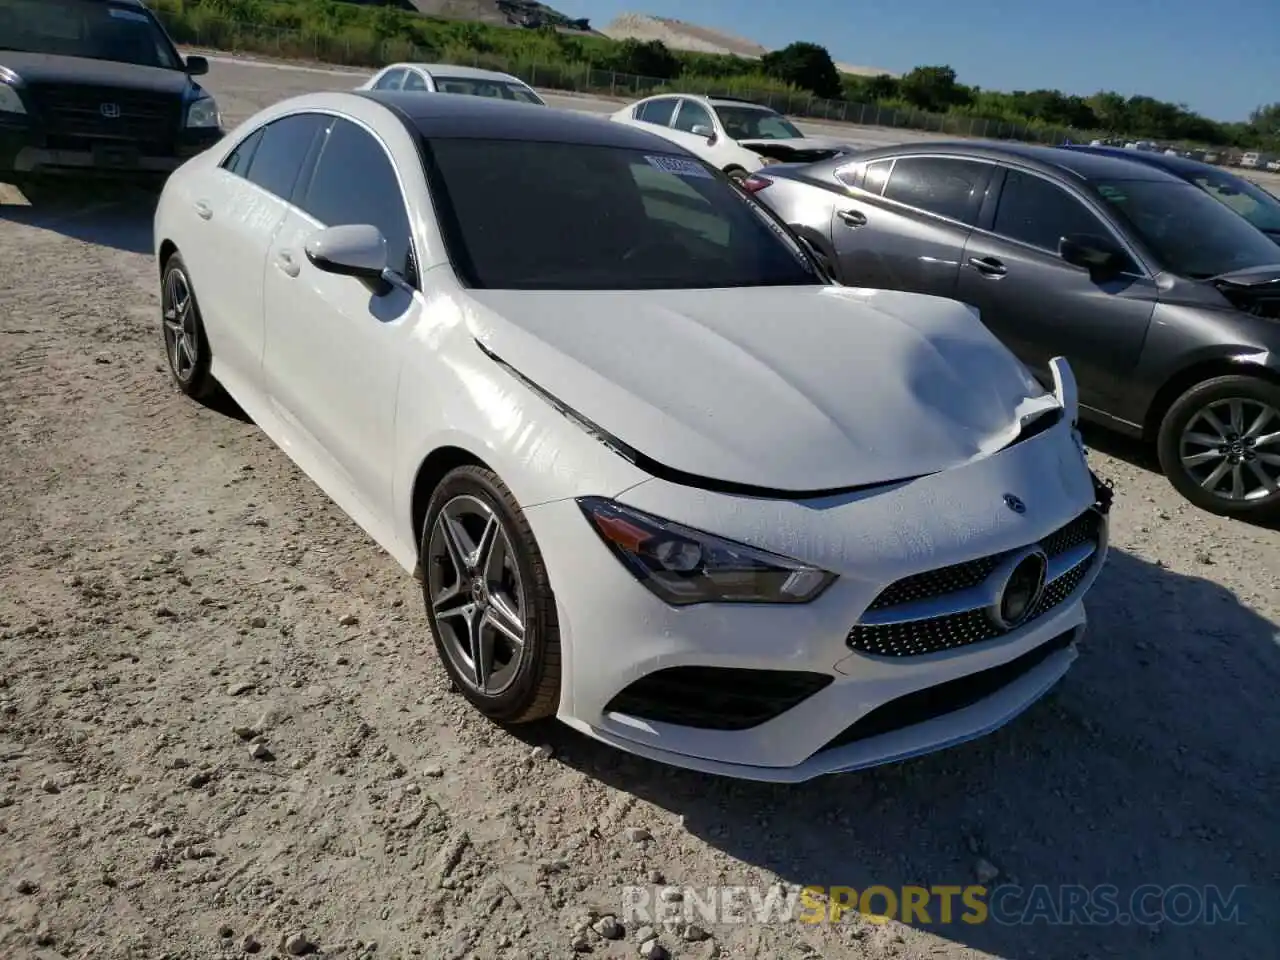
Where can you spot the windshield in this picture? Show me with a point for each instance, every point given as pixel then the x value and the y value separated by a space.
pixel 86 28
pixel 527 215
pixel 755 123
pixel 1247 199
pixel 1188 231
pixel 499 89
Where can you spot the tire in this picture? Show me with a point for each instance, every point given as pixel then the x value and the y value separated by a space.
pixel 513 687
pixel 182 330
pixel 1185 431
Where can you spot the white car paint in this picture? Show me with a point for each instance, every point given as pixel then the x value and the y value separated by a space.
pixel 428 77
pixel 795 387
pixel 717 147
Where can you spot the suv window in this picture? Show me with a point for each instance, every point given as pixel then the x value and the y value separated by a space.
pixel 390 80
pixel 282 151
pixel 87 28
pixel 1039 213
pixel 658 111
pixel 693 115
pixel 239 159
pixel 338 198
pixel 941 185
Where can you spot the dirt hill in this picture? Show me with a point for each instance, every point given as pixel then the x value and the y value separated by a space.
pixel 679 35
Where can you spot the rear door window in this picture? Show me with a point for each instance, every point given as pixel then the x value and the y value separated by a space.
pixel 283 152
pixel 944 186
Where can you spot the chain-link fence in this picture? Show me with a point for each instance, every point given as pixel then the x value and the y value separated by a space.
pixel 364 49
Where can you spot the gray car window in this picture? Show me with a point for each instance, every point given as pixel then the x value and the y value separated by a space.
pixel 280 156
pixel 390 80
pixel 658 112
pixel 413 81
pixel 877 176
pixel 693 115
pixel 941 185
pixel 1039 213
pixel 336 198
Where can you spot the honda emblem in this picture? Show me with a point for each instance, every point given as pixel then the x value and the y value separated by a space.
pixel 110 110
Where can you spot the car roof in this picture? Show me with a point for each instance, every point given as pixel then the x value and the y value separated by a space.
pixel 490 118
pixel 1075 163
pixel 735 102
pixel 1177 165
pixel 462 73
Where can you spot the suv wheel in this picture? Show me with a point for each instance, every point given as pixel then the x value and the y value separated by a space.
pixel 1219 445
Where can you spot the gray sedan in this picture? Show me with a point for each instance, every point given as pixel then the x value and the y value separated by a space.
pixel 1164 301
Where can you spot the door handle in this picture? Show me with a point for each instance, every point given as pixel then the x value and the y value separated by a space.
pixel 852 218
pixel 203 210
pixel 988 266
pixel 289 266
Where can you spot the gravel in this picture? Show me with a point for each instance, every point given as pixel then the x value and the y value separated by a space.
pixel 1155 761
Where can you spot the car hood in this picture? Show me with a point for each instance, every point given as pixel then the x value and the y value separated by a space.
pixel 792 389
pixel 46 68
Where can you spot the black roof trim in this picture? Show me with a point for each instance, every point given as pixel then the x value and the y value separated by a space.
pixel 672 474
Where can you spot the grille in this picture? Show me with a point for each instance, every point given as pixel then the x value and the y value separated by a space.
pixel 949 697
pixel 716 698
pixel 76 111
pixel 948 631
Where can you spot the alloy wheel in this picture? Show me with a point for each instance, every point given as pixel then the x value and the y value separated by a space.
pixel 477 596
pixel 1231 448
pixel 181 339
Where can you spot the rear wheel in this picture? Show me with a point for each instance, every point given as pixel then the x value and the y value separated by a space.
pixel 1219 445
pixel 489 603
pixel 185 345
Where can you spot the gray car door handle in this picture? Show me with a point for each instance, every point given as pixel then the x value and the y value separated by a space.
pixel 285 261
pixel 852 218
pixel 988 266
pixel 203 210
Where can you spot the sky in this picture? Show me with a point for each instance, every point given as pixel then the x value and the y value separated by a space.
pixel 1219 57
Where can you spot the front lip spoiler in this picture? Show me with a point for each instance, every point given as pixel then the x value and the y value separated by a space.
pixel 713 484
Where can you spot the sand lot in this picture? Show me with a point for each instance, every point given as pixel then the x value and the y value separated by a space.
pixel 171 587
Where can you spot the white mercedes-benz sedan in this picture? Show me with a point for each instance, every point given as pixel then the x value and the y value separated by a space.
pixel 657 475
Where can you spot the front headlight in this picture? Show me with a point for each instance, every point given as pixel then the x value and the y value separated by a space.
pixel 10 102
pixel 683 566
pixel 203 113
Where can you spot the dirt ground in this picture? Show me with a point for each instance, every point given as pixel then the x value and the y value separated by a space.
pixel 223 730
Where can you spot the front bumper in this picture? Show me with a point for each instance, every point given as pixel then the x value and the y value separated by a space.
pixel 861 709
pixel 27 148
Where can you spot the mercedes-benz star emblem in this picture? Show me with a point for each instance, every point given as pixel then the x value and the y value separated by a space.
pixel 1014 503
pixel 1022 583
pixel 110 110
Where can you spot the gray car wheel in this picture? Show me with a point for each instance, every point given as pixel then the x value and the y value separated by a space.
pixel 1219 445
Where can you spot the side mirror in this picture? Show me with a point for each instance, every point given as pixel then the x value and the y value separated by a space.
pixel 1095 254
pixel 358 250
pixel 701 130
pixel 197 66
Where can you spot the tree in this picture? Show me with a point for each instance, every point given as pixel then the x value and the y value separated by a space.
pixel 1266 120
pixel 806 65
pixel 933 88
pixel 648 59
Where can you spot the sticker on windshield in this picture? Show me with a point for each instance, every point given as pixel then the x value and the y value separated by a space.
pixel 129 15
pixel 680 166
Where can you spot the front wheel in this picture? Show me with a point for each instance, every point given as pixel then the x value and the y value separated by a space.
pixel 489 603
pixel 1219 445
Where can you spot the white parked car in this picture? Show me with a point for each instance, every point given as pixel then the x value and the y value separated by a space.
pixel 656 475
pixel 738 136
pixel 448 78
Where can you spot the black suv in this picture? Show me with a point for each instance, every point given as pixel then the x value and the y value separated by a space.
pixel 96 87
